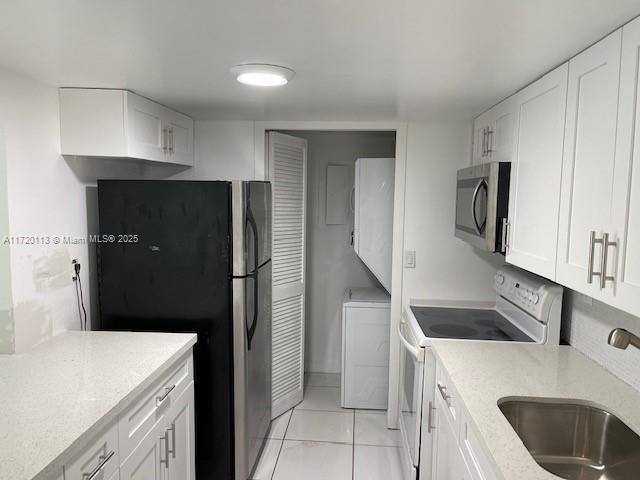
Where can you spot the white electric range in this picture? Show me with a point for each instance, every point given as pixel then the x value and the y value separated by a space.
pixel 527 309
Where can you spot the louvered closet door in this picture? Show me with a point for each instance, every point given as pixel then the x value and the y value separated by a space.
pixel 287 171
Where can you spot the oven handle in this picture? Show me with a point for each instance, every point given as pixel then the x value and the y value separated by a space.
pixel 417 353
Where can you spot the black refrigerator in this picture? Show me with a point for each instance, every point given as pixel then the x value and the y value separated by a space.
pixel 195 256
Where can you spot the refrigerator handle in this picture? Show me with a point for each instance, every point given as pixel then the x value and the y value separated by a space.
pixel 254 227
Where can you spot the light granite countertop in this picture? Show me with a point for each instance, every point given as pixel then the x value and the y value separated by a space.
pixel 55 397
pixel 483 373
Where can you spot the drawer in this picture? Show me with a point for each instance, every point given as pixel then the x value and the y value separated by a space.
pixel 447 392
pixel 144 412
pixel 99 460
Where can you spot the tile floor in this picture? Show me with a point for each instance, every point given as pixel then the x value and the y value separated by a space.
pixel 319 440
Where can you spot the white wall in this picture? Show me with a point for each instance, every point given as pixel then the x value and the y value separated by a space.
pixel 48 195
pixel 332 265
pixel 224 150
pixel 586 325
pixel 44 198
pixel 7 327
pixel 446 267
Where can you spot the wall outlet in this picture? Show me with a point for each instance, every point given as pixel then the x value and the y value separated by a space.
pixel 410 259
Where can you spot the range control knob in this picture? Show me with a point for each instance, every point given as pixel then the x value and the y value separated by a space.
pixel 535 299
pixel 499 279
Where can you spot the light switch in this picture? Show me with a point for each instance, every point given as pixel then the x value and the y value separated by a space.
pixel 410 259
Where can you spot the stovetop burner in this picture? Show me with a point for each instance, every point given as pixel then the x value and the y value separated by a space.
pixel 467 323
pixel 455 331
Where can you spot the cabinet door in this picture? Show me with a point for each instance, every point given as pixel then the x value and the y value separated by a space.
pixel 147 462
pixel 536 172
pixel 144 128
pixel 478 142
pixel 447 461
pixel 181 436
pixel 501 129
pixel 480 146
pixel 180 138
pixel 588 160
pixel 626 190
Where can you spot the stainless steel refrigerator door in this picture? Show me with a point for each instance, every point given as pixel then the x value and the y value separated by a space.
pixel 258 362
pixel 251 221
pixel 251 321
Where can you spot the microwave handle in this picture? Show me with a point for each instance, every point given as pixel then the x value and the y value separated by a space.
pixel 481 184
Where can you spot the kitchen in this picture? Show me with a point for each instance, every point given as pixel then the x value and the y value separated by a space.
pixel 547 248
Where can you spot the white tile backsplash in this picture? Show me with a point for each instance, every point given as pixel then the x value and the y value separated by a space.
pixel 586 325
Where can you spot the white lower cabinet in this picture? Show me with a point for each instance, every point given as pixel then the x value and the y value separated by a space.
pixel 457 451
pixel 99 460
pixel 167 452
pixel 148 460
pixel 152 439
pixel 180 429
pixel 447 460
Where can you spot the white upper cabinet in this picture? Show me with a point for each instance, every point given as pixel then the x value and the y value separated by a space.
pixel 536 172
pixel 480 128
pixel 118 123
pixel 493 134
pixel 624 265
pixel 589 168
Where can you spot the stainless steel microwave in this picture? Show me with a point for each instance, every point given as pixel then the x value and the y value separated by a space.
pixel 482 204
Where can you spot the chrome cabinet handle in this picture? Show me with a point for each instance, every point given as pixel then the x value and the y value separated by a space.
pixel 165 437
pixel 443 392
pixel 103 461
pixel 163 397
pixel 592 245
pixel 485 141
pixel 165 141
pixel 489 141
pixel 605 256
pixel 171 141
pixel 171 450
pixel 430 427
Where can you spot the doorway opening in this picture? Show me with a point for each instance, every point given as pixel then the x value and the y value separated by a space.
pixel 316 240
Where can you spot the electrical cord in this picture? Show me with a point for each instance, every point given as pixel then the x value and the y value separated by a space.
pixel 82 303
pixel 75 282
pixel 79 295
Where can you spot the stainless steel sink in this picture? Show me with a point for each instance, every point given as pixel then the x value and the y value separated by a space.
pixel 575 441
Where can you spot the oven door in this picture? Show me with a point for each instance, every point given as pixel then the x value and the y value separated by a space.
pixel 411 391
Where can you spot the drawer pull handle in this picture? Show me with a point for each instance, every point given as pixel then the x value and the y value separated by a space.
pixel 103 461
pixel 163 397
pixel 443 392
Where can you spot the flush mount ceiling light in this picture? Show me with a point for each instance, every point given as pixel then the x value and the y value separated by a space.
pixel 262 75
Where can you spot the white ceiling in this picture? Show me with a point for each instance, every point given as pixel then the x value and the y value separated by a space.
pixel 355 59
